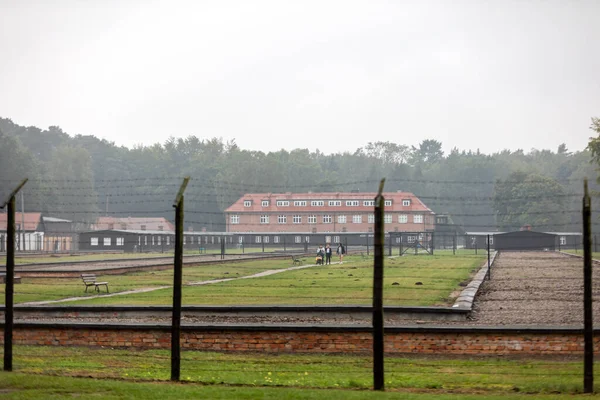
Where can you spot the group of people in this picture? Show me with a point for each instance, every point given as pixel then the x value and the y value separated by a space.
pixel 324 254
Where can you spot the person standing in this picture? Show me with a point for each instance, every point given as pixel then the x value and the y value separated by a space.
pixel 328 252
pixel 341 251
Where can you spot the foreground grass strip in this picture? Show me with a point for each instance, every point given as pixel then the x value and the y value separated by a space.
pixel 19 386
pixel 409 280
pixel 489 376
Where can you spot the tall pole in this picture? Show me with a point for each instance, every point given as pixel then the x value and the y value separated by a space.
pixel 22 221
pixel 588 333
pixel 10 275
pixel 379 239
pixel 177 278
pixel 9 285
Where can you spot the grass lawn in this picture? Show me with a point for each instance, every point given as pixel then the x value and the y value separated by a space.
pixel 409 280
pixel 255 375
pixel 39 289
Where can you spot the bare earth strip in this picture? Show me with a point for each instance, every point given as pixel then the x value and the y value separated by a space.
pixel 534 288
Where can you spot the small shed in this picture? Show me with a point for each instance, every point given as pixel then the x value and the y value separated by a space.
pixel 525 240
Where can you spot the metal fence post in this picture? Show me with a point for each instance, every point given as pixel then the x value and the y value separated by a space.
pixel 9 282
pixel 378 348
pixel 588 333
pixel 177 278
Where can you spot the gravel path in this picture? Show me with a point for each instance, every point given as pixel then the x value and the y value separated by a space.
pixel 534 288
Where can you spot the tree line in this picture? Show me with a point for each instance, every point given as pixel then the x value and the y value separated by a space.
pixel 81 177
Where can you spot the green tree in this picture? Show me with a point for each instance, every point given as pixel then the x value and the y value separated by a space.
pixel 530 199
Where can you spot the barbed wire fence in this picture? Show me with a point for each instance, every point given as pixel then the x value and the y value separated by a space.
pixel 528 290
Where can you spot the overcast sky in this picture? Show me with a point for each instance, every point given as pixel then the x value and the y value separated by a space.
pixel 332 75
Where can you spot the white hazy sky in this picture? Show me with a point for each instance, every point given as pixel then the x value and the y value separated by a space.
pixel 331 75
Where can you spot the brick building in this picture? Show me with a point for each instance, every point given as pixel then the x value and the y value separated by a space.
pixel 326 212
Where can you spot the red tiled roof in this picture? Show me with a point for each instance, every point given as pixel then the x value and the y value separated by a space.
pixel 32 221
pixel 416 205
pixel 133 223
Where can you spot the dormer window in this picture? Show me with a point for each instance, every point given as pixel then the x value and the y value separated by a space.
pixel 283 203
pixel 160 227
pixel 265 203
pixel 388 203
pixel 143 227
pixel 406 202
pixel 247 203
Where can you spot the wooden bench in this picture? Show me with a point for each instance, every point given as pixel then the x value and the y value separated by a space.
pixel 296 260
pixel 90 280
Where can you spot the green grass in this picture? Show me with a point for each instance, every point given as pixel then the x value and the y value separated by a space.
pixel 409 280
pixel 253 373
pixel 41 289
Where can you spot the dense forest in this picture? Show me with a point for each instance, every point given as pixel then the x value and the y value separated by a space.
pixel 80 177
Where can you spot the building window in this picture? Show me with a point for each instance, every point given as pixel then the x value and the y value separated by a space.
pixel 418 219
pixel 160 227
pixel 107 241
pixel 247 203
pixel 235 219
pixel 357 219
pixel 275 239
pixel 158 240
pixel 94 241
pixel 335 203
pixel 403 218
pixel 341 219
pixel 300 203
pixel 327 219
pixel 168 240
pixel 352 203
pixel 143 227
pixel 307 239
pixel 283 203
pixel 406 203
pixel 297 239
pixel 282 219
pixel 145 240
pixel 124 226
pixel 369 203
pixel 312 219
pixel 257 239
pixel 336 239
pixel 387 218
pixel 240 239
pixel 264 219
pixel 265 203
pixel 563 240
pixel 411 239
pixel 120 241
pixel 371 218
pixel 266 239
pixel 297 219
pixel 387 203
pixel 317 203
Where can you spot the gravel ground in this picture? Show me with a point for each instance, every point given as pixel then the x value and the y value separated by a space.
pixel 526 289
pixel 534 288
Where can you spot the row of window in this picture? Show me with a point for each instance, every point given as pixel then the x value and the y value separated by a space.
pixel 328 219
pixel 107 241
pixel 321 203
